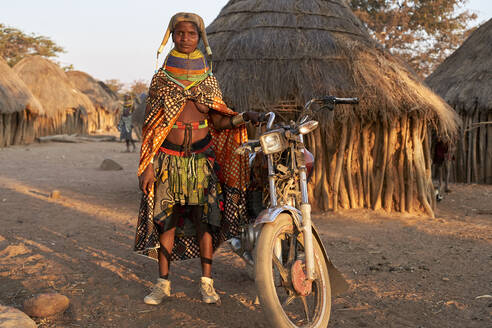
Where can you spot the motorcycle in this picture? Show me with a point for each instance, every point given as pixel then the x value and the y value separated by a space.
pixel 294 276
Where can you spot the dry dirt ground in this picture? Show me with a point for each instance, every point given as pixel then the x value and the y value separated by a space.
pixel 403 270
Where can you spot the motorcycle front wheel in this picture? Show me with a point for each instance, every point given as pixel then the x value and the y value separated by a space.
pixel 279 267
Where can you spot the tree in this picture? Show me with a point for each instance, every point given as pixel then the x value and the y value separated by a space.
pixel 115 85
pixel 15 45
pixel 138 87
pixel 422 32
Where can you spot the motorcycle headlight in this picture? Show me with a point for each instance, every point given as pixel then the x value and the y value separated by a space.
pixel 273 142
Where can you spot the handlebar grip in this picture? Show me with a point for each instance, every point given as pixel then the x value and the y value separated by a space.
pixel 332 100
pixel 346 100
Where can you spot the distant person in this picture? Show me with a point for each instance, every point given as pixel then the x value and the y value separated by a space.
pixel 125 125
pixel 442 163
pixel 193 182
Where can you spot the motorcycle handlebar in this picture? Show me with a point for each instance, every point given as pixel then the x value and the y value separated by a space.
pixel 271 118
pixel 331 100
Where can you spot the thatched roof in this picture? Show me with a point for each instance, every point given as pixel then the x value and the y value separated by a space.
pixel 51 86
pixel 14 94
pixel 94 90
pixel 464 79
pixel 108 90
pixel 276 50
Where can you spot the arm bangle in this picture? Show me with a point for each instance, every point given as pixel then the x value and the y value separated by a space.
pixel 238 120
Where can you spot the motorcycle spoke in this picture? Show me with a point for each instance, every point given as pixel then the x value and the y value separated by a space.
pixel 289 300
pixel 292 248
pixel 306 310
pixel 283 272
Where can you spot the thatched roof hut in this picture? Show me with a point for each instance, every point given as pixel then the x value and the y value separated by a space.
pixel 18 109
pixel 67 108
pixel 279 54
pixel 106 105
pixel 464 80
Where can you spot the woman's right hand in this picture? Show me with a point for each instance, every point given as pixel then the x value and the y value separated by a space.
pixel 147 179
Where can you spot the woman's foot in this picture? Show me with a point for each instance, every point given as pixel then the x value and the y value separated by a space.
pixel 208 292
pixel 160 290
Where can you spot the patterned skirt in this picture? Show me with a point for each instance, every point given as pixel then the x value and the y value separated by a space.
pixel 182 181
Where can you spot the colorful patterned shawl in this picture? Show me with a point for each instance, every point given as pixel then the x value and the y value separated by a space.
pixel 166 101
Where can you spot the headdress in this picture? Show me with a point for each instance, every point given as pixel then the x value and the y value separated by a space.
pixel 185 17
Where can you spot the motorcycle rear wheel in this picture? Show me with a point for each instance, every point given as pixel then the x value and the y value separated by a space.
pixel 283 306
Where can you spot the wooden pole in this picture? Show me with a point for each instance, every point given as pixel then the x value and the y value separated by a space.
pixel 350 186
pixel 390 172
pixel 428 167
pixel 488 160
pixel 474 157
pixel 338 168
pixel 401 161
pixel 481 148
pixel 381 163
pixel 365 166
pixel 409 147
pixel 358 155
pixel 469 151
pixel 462 152
pixel 419 166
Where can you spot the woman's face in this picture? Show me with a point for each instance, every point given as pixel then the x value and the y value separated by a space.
pixel 185 37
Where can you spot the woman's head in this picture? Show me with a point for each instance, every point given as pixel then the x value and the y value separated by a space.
pixel 186 36
pixel 198 28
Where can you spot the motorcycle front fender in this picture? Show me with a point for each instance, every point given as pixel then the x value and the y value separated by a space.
pixel 338 283
pixel 269 215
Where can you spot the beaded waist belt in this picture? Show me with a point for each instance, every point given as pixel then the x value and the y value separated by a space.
pixel 191 125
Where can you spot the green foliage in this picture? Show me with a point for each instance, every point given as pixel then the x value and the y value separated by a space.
pixel 422 32
pixel 67 68
pixel 15 45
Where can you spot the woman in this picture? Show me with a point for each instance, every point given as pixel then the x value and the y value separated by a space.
pixel 193 182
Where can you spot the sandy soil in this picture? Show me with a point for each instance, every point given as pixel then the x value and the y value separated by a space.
pixel 403 270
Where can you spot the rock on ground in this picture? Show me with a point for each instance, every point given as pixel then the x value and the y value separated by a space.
pixel 12 318
pixel 45 305
pixel 110 165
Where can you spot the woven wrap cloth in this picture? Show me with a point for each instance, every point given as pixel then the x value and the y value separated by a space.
pixel 166 101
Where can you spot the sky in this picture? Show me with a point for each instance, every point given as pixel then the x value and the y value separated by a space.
pixel 118 39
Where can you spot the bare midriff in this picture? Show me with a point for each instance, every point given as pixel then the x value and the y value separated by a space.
pixel 192 112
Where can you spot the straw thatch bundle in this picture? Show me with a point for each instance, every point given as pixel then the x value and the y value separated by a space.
pixel 278 54
pixel 464 80
pixel 19 109
pixel 66 108
pixel 106 105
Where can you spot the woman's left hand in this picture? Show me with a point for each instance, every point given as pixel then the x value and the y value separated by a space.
pixel 254 117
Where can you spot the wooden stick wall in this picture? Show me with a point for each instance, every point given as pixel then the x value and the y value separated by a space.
pixel 373 165
pixel 473 152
